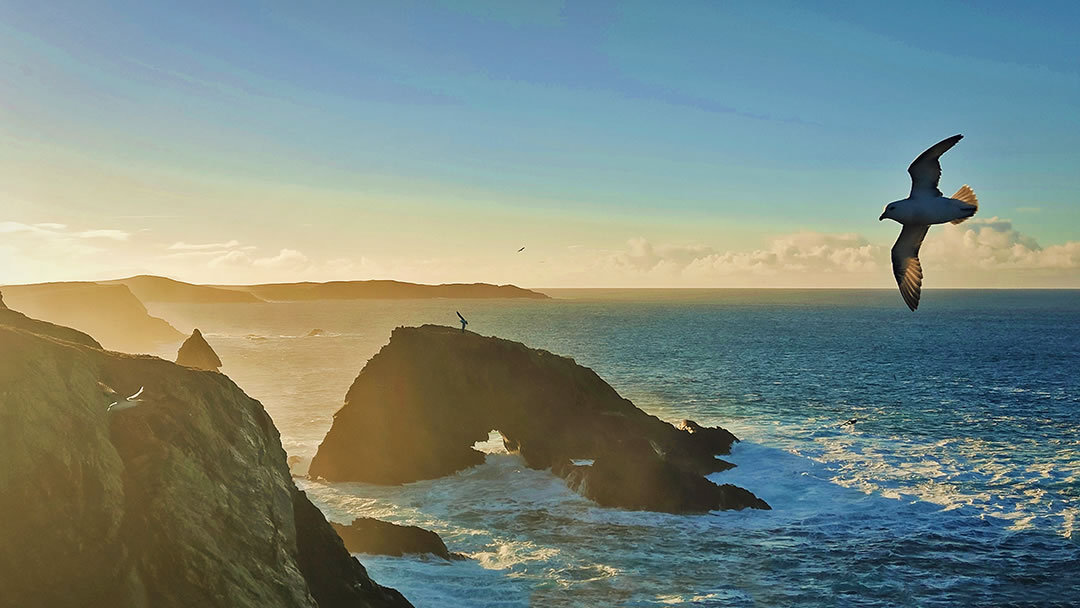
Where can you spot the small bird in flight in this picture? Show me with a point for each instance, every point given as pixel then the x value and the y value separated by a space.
pixel 127 403
pixel 850 422
pixel 463 321
pixel 922 208
pixel 520 250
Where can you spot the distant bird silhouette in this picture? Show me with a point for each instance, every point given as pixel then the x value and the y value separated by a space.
pixel 850 422
pixel 463 321
pixel 922 208
pixel 126 403
pixel 520 250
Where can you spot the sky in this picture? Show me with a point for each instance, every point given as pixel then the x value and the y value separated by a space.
pixel 689 144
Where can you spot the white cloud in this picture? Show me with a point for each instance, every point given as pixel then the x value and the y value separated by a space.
pixel 993 244
pixel 988 252
pixel 61 231
pixel 116 235
pixel 287 258
pixel 182 246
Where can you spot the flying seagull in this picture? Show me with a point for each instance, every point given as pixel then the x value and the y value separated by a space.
pixel 127 403
pixel 463 321
pixel 520 250
pixel 923 207
pixel 850 422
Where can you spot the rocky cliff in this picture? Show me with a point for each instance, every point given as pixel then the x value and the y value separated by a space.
pixel 184 499
pixel 110 313
pixel 420 404
pixel 195 352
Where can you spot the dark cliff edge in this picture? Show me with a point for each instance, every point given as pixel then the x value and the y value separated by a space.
pixel 420 404
pixel 180 498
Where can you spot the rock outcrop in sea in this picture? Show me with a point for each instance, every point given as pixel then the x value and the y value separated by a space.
pixel 184 499
pixel 368 535
pixel 428 396
pixel 195 352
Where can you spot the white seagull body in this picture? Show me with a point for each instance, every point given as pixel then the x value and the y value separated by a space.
pixel 924 207
pixel 127 403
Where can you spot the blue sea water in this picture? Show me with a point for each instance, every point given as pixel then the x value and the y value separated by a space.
pixel 958 485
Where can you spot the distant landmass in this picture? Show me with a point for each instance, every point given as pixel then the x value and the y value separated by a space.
pixel 114 311
pixel 387 290
pixel 149 288
pixel 111 313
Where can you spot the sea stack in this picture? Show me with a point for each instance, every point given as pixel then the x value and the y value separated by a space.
pixel 420 404
pixel 2 300
pixel 195 352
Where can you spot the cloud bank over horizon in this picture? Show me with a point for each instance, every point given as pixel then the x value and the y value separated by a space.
pixel 988 252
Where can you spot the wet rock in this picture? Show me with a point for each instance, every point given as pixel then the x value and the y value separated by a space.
pixel 367 535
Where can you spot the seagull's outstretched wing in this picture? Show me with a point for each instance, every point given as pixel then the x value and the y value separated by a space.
pixel 925 171
pixel 461 317
pixel 520 250
pixel 136 395
pixel 905 263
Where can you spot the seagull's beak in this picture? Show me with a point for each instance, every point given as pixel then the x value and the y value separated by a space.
pixel 881 218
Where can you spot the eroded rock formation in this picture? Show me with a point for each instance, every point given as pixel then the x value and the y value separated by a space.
pixel 367 535
pixel 195 352
pixel 420 404
pixel 184 499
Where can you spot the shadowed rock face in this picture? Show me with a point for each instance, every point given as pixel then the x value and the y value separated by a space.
pixel 367 535
pixel 420 404
pixel 195 352
pixel 182 500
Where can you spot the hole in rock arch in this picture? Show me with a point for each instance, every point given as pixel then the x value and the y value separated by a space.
pixel 492 445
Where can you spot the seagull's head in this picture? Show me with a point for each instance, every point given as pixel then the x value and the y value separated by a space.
pixel 889 212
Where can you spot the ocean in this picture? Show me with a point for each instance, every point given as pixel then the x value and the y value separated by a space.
pixel 958 486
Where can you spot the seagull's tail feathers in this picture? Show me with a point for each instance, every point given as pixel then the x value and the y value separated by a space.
pixel 966 195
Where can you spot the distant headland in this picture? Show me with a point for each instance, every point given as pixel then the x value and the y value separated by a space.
pixel 115 311
pixel 149 288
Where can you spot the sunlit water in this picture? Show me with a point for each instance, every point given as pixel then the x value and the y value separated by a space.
pixel 959 485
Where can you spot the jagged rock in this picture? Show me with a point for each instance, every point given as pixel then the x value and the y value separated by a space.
pixel 2 306
pixel 632 475
pixel 182 500
pixel 195 352
pixel 367 535
pixel 420 404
